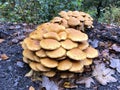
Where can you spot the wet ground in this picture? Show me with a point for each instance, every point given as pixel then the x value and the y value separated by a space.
pixel 13 70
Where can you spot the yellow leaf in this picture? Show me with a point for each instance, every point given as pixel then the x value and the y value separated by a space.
pixel 31 88
pixel 4 56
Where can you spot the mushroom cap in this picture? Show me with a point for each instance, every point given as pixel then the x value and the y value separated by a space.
pixel 54 27
pixel 24 45
pixel 26 60
pixel 36 58
pixel 32 44
pixel 72 21
pixel 37 34
pixel 40 67
pixel 64 23
pixel 76 66
pixel 64 65
pixel 56 20
pixel 79 71
pixel 91 52
pixel 62 58
pixel 66 75
pixel 88 23
pixel 81 18
pixel 49 73
pixel 87 61
pixel 69 13
pixel 64 15
pixel 82 13
pixel 41 53
pixel 47 27
pixel 51 35
pixel 76 35
pixel 76 13
pixel 76 54
pixel 68 44
pixel 83 45
pixel 87 15
pixel 49 44
pixel 63 35
pixel 57 53
pixel 28 54
pixel 50 63
pixel 33 66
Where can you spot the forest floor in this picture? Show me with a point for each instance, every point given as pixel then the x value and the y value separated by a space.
pixel 105 38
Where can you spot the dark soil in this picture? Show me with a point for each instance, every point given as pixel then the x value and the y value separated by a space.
pixel 13 70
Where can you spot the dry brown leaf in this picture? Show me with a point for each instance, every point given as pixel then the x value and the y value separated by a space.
pixel 87 81
pixel 31 88
pixel 29 74
pixel 4 56
pixel 103 75
pixel 1 40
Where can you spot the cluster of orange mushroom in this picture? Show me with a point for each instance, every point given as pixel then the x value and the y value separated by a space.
pixel 74 19
pixel 52 48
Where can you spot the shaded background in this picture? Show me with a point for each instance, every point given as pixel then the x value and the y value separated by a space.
pixel 38 11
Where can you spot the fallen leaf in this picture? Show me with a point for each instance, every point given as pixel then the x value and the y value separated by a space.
pixel 4 56
pixel 118 87
pixel 87 81
pixel 1 40
pixel 49 85
pixel 115 47
pixel 115 63
pixel 31 88
pixel 103 74
pixel 94 43
pixel 29 74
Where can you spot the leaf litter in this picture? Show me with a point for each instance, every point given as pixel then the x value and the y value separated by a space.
pixel 103 75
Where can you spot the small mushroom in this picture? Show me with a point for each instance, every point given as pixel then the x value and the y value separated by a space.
pixel 50 63
pixel 33 66
pixel 68 44
pixel 56 20
pixel 91 52
pixel 63 35
pixel 49 44
pixel 76 54
pixel 69 13
pixel 36 58
pixel 87 61
pixel 26 60
pixel 75 13
pixel 64 23
pixel 51 35
pixel 83 45
pixel 77 36
pixel 64 15
pixel 37 34
pixel 32 44
pixel 28 54
pixel 72 21
pixel 64 65
pixel 76 66
pixel 40 67
pixel 66 75
pixel 24 45
pixel 57 53
pixel 41 53
pixel 49 73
